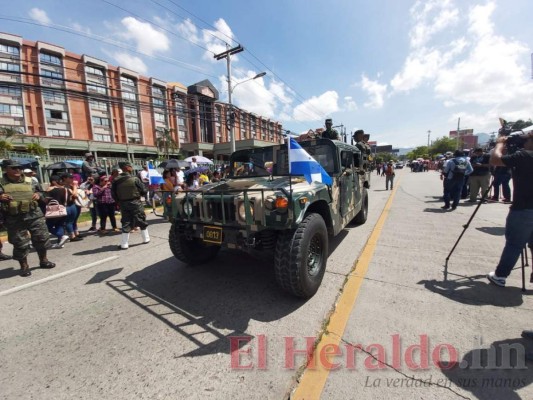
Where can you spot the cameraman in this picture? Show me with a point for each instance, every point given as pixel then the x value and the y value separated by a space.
pixel 519 224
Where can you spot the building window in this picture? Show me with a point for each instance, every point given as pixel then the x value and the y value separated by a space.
pixel 132 126
pixel 50 59
pixel 160 117
pixel 131 111
pixel 4 48
pixel 58 132
pixel 100 121
pixel 158 102
pixel 98 105
pixel 5 66
pixel 56 114
pixel 93 71
pixel 96 89
pixel 53 96
pixel 127 81
pixel 181 121
pixel 55 76
pixel 102 138
pixel 158 92
pixel 11 110
pixel 10 91
pixel 129 96
pixel 183 136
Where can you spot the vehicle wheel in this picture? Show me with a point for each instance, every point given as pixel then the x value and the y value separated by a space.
pixel 190 251
pixel 361 217
pixel 301 257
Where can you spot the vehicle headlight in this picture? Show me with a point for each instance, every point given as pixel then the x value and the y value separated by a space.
pixel 242 211
pixel 187 208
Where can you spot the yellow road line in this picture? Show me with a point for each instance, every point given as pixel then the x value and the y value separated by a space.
pixel 313 380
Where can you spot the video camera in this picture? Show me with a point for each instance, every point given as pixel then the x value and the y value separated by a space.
pixel 514 141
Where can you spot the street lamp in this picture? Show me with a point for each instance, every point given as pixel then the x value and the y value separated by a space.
pixel 230 91
pixel 105 165
pixel 39 169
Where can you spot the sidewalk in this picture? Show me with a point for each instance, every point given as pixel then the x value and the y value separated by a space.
pixel 413 322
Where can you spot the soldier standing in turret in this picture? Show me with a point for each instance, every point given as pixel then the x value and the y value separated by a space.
pixel 330 133
pixel 21 213
pixel 127 190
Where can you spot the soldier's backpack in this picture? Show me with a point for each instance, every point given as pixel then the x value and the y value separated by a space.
pixel 459 171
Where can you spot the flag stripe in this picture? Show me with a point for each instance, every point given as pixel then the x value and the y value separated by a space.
pixel 302 163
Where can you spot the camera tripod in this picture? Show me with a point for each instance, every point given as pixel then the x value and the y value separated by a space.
pixel 523 255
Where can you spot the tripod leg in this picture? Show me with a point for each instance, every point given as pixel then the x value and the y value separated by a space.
pixel 531 277
pixel 523 269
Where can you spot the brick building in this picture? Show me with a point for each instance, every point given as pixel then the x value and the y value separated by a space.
pixel 70 104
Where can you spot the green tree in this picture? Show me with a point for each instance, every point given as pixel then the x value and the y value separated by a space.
pixel 418 152
pixel 384 157
pixel 521 124
pixel 165 142
pixel 8 132
pixel 442 145
pixel 36 149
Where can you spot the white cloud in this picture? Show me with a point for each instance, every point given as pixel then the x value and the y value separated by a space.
pixel 40 16
pixel 188 30
pixel 431 17
pixel 148 40
pixel 130 62
pixel 80 28
pixel 375 91
pixel 317 107
pixel 493 75
pixel 349 104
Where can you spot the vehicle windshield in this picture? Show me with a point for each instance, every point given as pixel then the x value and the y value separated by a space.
pixel 274 161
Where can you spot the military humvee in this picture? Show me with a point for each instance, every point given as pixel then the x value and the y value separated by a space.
pixel 259 206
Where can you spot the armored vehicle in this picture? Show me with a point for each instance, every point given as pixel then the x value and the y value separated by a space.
pixel 260 206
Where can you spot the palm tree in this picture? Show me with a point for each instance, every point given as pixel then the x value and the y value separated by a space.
pixel 8 132
pixel 165 142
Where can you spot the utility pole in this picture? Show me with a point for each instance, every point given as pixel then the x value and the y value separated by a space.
pixel 458 123
pixel 227 55
pixel 429 133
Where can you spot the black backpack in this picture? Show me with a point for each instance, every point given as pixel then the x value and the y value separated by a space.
pixel 459 171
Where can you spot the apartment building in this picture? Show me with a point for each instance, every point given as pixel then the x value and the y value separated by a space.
pixel 72 103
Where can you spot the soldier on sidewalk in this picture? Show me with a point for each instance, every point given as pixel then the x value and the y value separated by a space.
pixel 127 190
pixel 21 213
pixel 330 133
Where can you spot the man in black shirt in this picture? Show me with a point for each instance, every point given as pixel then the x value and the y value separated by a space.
pixel 480 177
pixel 519 224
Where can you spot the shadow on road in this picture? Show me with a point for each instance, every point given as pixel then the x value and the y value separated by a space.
pixel 493 230
pixel 474 292
pixel 496 372
pixel 211 303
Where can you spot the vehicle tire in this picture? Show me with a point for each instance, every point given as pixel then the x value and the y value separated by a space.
pixel 190 251
pixel 362 216
pixel 301 257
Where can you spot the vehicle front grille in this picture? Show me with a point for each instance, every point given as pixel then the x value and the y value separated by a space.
pixel 223 212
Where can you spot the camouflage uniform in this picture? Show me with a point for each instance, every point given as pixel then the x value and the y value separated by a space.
pixel 330 133
pixel 127 190
pixel 22 215
pixel 364 147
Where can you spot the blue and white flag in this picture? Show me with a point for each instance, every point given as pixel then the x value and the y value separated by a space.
pixel 154 175
pixel 301 163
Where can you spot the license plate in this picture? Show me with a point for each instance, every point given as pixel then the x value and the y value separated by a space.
pixel 213 234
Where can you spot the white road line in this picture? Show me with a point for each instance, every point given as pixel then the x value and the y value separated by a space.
pixel 56 276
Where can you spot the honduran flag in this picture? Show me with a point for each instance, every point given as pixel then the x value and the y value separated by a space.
pixel 154 175
pixel 301 163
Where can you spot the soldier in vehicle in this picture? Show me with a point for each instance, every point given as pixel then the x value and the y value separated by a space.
pixel 360 142
pixel 127 190
pixel 330 133
pixel 21 213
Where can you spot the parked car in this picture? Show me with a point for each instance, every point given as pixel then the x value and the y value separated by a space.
pixel 398 165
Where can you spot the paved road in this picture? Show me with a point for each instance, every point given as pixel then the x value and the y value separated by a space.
pixel 139 324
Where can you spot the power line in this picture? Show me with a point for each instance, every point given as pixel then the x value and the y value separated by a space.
pixel 121 45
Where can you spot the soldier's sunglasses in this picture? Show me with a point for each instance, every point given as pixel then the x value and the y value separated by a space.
pixel 15 167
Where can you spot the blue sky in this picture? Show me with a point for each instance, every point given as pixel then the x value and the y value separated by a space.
pixel 395 68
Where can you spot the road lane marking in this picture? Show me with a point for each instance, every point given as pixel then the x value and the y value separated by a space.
pixel 312 381
pixel 56 276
